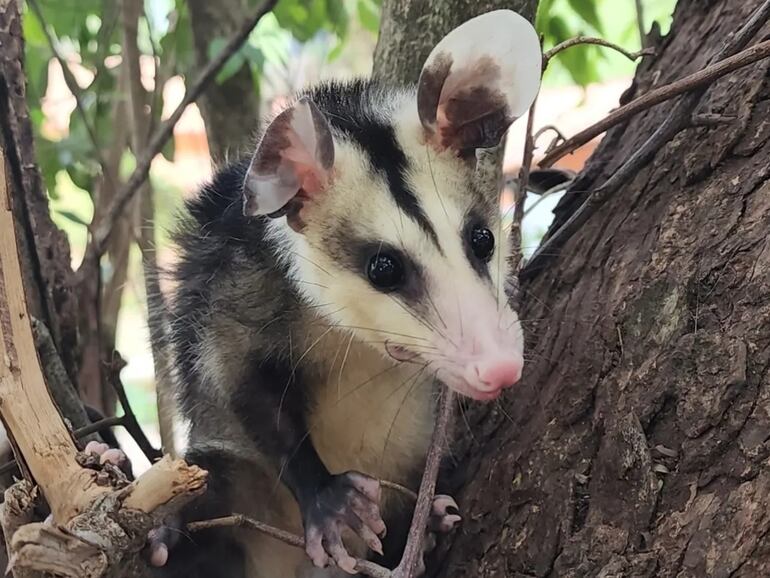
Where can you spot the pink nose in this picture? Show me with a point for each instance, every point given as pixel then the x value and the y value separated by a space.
pixel 499 373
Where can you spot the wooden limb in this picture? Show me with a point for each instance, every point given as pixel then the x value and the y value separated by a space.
pixel 677 120
pixel 79 434
pixel 25 405
pixel 59 384
pixel 239 521
pixel 158 140
pixel 414 545
pixel 689 83
pixel 17 509
pixel 129 420
pixel 583 40
pixel 145 237
pixel 640 23
pixel 97 528
pixel 167 480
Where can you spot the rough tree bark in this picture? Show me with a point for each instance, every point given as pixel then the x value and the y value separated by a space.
pixel 228 107
pixel 637 442
pixel 409 29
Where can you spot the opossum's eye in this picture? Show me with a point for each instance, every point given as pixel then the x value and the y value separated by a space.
pixel 482 242
pixel 385 271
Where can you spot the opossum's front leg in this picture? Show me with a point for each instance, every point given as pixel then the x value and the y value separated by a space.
pixel 328 503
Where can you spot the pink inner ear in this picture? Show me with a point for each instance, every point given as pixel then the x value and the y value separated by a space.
pixel 310 177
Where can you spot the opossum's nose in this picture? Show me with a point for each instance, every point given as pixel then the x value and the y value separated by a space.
pixel 498 373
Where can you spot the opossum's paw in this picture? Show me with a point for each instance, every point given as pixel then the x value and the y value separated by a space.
pixel 445 514
pixel 349 500
pixel 106 454
pixel 162 539
pixel 113 463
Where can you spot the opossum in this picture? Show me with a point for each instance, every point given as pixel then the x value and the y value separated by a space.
pixel 325 288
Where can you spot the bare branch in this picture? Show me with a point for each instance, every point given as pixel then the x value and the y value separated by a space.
pixel 677 120
pixel 165 130
pixel 414 549
pixel 239 521
pixel 578 40
pixel 694 81
pixel 559 138
pixel 520 191
pixel 640 23
pixel 80 433
pixel 129 419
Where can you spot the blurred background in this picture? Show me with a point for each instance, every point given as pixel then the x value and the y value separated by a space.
pixel 299 43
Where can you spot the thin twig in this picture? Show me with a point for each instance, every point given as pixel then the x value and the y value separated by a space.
pixel 165 130
pixel 74 88
pixel 399 488
pixel 129 419
pixel 414 548
pixel 578 40
pixel 240 521
pixel 694 81
pixel 557 139
pixel 640 24
pixel 79 433
pixel 677 120
pixel 520 191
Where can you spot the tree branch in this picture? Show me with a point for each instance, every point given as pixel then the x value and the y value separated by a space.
pixel 640 23
pixel 129 419
pixel 578 40
pixel 414 550
pixel 677 120
pixel 239 521
pixel 103 229
pixel 699 79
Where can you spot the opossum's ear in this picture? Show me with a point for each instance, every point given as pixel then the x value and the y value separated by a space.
pixel 292 163
pixel 478 79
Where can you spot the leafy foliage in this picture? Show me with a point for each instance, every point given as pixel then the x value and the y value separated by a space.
pixel 613 20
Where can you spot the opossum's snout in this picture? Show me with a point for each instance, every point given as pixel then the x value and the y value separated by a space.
pixel 480 354
pixel 475 345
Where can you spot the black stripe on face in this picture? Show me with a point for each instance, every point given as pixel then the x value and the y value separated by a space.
pixel 387 158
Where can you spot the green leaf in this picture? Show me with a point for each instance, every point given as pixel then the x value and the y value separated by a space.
pixel 168 150
pixel 338 17
pixel 578 63
pixel 33 31
pixel 233 64
pixel 543 15
pixel 335 52
pixel 586 9
pixel 73 217
pixel 254 56
pixel 369 15
pixel 557 30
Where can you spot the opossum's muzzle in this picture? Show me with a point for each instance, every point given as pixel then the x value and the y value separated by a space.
pixel 477 348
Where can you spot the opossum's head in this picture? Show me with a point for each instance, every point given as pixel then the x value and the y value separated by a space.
pixel 391 226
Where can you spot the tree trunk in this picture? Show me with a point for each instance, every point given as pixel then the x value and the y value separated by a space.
pixel 230 110
pixel 636 444
pixel 409 29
